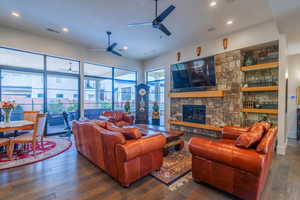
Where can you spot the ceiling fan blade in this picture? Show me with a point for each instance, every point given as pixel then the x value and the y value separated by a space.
pixel 140 24
pixel 116 53
pixel 164 29
pixel 164 14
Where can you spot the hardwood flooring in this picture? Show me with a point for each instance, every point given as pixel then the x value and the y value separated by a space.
pixel 70 176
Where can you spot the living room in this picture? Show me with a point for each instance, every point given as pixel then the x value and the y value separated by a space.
pixel 154 99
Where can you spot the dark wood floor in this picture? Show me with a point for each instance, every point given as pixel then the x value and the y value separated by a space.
pixel 71 176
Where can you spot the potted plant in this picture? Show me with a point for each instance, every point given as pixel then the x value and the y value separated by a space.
pixel 155 114
pixel 127 107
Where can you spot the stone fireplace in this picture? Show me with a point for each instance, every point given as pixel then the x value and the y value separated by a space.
pixel 218 110
pixel 194 113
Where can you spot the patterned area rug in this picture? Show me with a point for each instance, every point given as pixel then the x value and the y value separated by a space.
pixel 175 165
pixel 50 148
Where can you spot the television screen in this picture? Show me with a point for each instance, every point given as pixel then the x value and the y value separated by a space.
pixel 194 74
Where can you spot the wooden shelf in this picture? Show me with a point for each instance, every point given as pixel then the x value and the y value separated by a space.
pixel 259 89
pixel 263 111
pixel 196 125
pixel 202 94
pixel 260 66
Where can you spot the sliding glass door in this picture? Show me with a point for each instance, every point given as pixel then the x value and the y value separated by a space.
pixel 62 96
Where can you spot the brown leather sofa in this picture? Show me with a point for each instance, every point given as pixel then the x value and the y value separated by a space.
pixel 239 171
pixel 118 117
pixel 126 160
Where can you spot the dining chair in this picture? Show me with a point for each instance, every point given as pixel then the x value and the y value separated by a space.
pixel 6 143
pixel 30 139
pixel 41 127
pixel 28 116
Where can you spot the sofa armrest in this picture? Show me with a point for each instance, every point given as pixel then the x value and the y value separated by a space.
pixel 244 159
pixel 135 148
pixel 233 132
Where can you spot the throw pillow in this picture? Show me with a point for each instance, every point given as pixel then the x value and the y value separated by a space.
pixel 247 139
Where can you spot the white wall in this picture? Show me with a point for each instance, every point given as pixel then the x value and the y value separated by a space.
pixel 30 42
pixel 293 83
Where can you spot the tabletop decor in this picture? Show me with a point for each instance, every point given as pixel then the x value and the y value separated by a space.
pixel 7 107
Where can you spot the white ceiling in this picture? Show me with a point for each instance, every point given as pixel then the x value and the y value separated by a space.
pixel 88 20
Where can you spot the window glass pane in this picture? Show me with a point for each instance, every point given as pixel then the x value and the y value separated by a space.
pixel 25 88
pixel 156 75
pixel 156 81
pixel 125 75
pixel 97 70
pixel 62 96
pixel 21 59
pixel 97 97
pixel 62 65
pixel 124 91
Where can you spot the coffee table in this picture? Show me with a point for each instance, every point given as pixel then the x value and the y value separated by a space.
pixel 174 137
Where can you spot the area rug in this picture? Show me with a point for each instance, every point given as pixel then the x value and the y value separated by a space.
pixel 50 148
pixel 175 165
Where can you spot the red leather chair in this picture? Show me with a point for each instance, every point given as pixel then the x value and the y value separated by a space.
pixel 125 160
pixel 118 117
pixel 239 171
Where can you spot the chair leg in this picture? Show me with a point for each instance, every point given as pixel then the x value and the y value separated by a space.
pixel 33 147
pixel 10 150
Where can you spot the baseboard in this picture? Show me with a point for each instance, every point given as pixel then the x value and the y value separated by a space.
pixel 281 150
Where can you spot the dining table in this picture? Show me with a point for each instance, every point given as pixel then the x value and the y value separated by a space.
pixel 14 126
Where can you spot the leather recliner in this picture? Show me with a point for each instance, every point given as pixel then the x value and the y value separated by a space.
pixel 239 171
pixel 125 160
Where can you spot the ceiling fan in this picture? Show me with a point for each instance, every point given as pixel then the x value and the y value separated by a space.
pixel 110 47
pixel 157 22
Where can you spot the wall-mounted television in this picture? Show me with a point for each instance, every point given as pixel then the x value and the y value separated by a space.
pixel 193 75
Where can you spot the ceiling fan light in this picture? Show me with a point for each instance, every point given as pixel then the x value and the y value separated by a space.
pixel 125 48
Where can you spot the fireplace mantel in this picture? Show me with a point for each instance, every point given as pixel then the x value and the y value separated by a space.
pixel 198 94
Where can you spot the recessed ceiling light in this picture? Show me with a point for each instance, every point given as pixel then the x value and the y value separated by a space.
pixel 213 4
pixel 229 22
pixel 15 14
pixel 65 30
pixel 125 47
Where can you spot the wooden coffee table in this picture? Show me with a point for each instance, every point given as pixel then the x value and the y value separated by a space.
pixel 174 137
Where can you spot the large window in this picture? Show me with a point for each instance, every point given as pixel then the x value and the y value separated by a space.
pixel 107 88
pixel 25 88
pixel 32 79
pixel 156 81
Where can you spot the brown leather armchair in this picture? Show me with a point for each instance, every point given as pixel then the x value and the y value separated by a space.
pixel 124 160
pixel 118 117
pixel 239 171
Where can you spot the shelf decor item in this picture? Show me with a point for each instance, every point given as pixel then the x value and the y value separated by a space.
pixel 155 114
pixel 225 43
pixel 178 56
pixel 127 107
pixel 198 51
pixel 7 107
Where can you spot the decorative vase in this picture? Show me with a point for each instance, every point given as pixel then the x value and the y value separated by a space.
pixel 7 114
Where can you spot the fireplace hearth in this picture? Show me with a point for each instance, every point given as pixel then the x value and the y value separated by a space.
pixel 194 113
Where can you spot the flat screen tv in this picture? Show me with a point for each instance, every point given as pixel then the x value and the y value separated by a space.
pixel 194 75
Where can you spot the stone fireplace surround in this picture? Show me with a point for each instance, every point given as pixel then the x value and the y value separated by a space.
pixel 219 110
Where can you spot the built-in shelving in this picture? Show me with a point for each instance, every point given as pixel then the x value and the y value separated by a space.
pixel 260 66
pixel 196 125
pixel 259 89
pixel 262 111
pixel 198 94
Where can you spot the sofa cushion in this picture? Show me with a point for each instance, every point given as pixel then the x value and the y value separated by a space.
pixel 267 142
pixel 129 133
pixel 266 126
pixel 247 139
pixel 101 123
pixel 122 123
pixel 118 116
